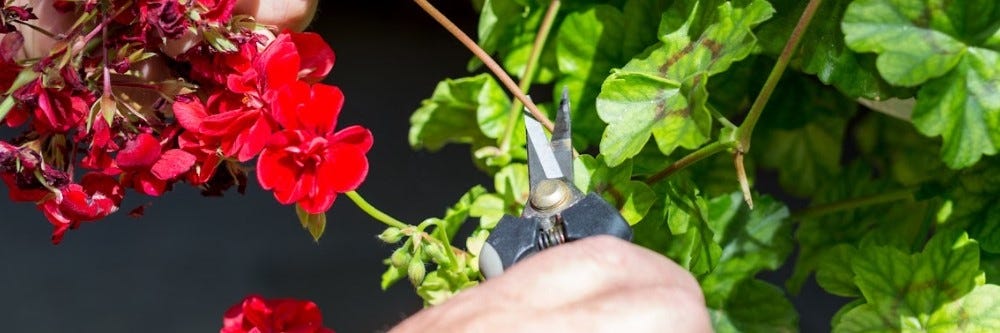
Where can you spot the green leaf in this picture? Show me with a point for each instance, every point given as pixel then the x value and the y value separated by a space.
pixel 975 193
pixel 392 275
pixel 905 291
pixel 755 306
pixel 964 108
pixel 894 224
pixel 976 312
pixel 751 240
pixel 632 198
pixel 662 92
pixel 910 51
pixel 677 227
pixel 834 272
pixel 466 110
pixel 315 223
pixel 588 46
pixel 822 51
pixel 939 44
pixel 897 150
pixel 801 134
pixel 508 28
pixel 511 183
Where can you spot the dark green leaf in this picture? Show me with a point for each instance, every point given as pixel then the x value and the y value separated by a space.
pixel 752 240
pixel 755 306
pixel 632 198
pixel 822 51
pixel 677 227
pixel 834 272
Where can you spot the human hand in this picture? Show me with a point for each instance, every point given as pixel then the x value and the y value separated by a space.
pixel 284 14
pixel 598 284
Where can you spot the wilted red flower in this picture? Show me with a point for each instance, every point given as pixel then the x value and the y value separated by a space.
pixel 258 315
pixel 167 16
pixel 217 10
pixel 308 163
pixel 95 197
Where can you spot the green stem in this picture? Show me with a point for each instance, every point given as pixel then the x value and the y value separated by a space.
pixel 697 155
pixel 745 131
pixel 530 70
pixel 853 203
pixel 374 212
pixel 38 29
pixel 487 60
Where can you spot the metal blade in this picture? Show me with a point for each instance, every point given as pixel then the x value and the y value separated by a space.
pixel 562 137
pixel 542 163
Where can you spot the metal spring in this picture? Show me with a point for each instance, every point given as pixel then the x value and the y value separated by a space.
pixel 551 237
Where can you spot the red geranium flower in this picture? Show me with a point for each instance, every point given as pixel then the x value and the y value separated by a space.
pixel 95 197
pixel 308 163
pixel 147 168
pixel 258 315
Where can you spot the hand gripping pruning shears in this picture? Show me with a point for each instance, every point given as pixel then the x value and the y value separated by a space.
pixel 557 212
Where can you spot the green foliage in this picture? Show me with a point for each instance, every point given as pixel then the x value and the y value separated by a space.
pixel 952 51
pixel 662 92
pixel 897 218
pixel 940 289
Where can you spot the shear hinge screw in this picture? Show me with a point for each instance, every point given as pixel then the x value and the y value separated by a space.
pixel 549 194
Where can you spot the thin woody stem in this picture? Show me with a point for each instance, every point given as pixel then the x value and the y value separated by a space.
pixel 530 69
pixel 488 61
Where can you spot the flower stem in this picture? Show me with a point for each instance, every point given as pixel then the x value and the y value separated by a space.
pixel 530 70
pixel 839 206
pixel 487 60
pixel 374 212
pixel 745 131
pixel 697 155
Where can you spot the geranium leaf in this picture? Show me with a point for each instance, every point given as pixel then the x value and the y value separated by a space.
pixel 662 92
pixel 941 45
pixel 751 240
pixel 822 51
pixel 632 198
pixel 903 291
pixel 677 227
pixel 834 272
pixel 755 306
pixel 508 28
pixel 466 110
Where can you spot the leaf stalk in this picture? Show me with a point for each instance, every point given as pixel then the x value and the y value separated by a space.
pixel 853 203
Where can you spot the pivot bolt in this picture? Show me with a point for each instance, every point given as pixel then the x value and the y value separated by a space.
pixel 549 195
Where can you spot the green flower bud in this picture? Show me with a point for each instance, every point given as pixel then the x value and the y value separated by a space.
pixel 416 271
pixel 391 235
pixel 400 258
pixel 437 253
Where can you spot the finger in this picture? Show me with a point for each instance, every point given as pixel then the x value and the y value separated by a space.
pixel 37 44
pixel 285 14
pixel 577 270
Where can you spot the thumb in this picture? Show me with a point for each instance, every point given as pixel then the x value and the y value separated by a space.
pixel 285 14
pixel 37 44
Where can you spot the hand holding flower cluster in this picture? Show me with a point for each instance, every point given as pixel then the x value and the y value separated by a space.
pixel 95 121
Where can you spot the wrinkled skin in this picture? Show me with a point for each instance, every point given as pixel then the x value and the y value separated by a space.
pixel 599 284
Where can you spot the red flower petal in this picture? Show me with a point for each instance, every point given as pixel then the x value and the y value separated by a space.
pixel 348 170
pixel 316 56
pixel 173 163
pixel 319 115
pixel 277 171
pixel 189 113
pixel 354 135
pixel 278 64
pixel 139 153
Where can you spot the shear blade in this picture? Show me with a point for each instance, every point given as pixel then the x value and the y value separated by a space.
pixel 550 159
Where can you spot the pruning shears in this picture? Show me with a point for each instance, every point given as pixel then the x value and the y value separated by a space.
pixel 557 212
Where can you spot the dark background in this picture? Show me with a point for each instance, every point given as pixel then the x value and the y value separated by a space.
pixel 178 268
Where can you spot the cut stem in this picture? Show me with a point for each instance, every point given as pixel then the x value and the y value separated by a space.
pixel 374 212
pixel 839 206
pixel 745 131
pixel 697 155
pixel 530 70
pixel 487 60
